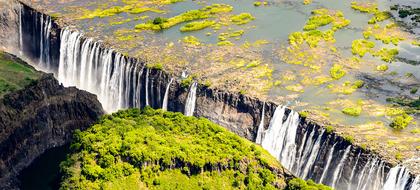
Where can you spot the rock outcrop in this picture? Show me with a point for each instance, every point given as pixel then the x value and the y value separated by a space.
pixel 39 117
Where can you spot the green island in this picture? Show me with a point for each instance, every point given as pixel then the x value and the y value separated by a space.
pixel 14 74
pixel 153 149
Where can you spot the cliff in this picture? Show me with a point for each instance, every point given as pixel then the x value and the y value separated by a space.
pixel 39 117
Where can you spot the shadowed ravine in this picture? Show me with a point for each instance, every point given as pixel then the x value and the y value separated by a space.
pixel 305 148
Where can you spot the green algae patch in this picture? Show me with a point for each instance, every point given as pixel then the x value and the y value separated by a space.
pixel 191 40
pixel 190 15
pixel 15 74
pixel 401 121
pixel 337 72
pixel 242 18
pixel 361 47
pixel 323 17
pixel 379 17
pixel 352 111
pixel 388 34
pixel 153 149
pixel 198 25
pixel 225 43
pixel 132 9
pixel 387 55
pixel 365 7
pixel 382 67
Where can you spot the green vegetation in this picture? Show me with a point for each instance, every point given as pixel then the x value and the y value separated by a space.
pixel 401 121
pixel 317 21
pixel 186 83
pixel 348 138
pixel 361 47
pixel 329 129
pixel 383 67
pixel 132 9
pixel 225 43
pixel 352 111
pixel 199 25
pixel 386 54
pixel 365 7
pixel 154 149
pixel 379 17
pixel 191 15
pixel 337 72
pixel 300 184
pixel 242 18
pixel 192 40
pixel 257 3
pixel 14 74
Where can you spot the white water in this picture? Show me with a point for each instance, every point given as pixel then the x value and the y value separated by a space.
pixel 353 171
pixel 327 166
pixel 397 179
pixel 279 139
pixel 191 99
pixel 111 76
pixel 165 98
pixel 147 87
pixel 260 131
pixel 338 169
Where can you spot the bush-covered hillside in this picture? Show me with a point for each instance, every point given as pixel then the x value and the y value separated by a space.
pixel 152 149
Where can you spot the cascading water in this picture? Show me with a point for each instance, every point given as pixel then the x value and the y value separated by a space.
pixel 165 98
pixel 399 178
pixel 110 75
pixel 190 103
pixel 260 131
pixel 44 59
pixel 309 155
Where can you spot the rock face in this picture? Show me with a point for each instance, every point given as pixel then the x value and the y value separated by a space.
pixel 9 24
pixel 37 118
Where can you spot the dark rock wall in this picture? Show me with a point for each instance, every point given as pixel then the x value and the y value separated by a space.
pixel 39 117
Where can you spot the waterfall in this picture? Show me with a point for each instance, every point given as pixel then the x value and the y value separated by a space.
pixel 147 87
pixel 260 130
pixel 165 98
pixel 21 9
pixel 353 171
pixel 44 59
pixel 330 155
pixel 114 78
pixel 338 169
pixel 279 139
pixel 190 103
pixel 398 179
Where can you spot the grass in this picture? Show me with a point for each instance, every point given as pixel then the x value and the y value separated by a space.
pixel 187 16
pixel 361 47
pixel 401 121
pixel 387 55
pixel 352 111
pixel 154 149
pixel 191 40
pixel 198 25
pixel 14 74
pixel 337 72
pixel 242 18
pixel 365 7
pixel 383 67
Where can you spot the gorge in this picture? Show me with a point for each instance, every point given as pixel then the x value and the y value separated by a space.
pixel 307 149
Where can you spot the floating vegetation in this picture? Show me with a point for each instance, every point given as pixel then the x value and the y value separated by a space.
pixel 365 7
pixel 347 87
pixel 361 47
pixel 323 17
pixel 198 25
pixel 337 72
pixel 307 2
pixel 192 40
pixel 401 122
pixel 382 67
pixel 379 17
pixel 242 18
pixel 388 34
pixel 225 43
pixel 352 111
pixel 132 9
pixel 387 55
pixel 204 13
